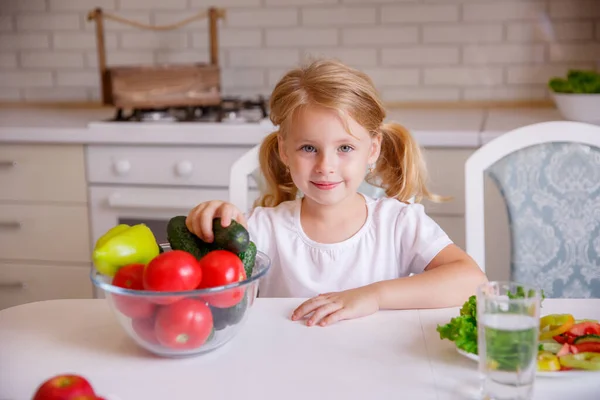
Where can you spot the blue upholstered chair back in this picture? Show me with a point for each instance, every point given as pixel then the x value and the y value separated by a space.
pixel 552 195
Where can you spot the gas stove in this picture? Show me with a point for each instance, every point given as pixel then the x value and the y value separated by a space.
pixel 231 110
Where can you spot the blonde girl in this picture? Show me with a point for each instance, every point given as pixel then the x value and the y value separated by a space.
pixel 348 254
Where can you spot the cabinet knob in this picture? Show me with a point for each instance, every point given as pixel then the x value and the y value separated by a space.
pixel 184 168
pixel 122 167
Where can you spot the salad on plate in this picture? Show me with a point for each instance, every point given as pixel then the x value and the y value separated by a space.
pixel 565 343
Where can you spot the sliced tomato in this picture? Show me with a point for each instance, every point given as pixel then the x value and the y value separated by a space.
pixel 564 350
pixel 567 349
pixel 565 338
pixel 585 328
pixel 589 347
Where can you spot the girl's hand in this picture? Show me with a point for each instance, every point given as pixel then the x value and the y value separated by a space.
pixel 329 308
pixel 200 220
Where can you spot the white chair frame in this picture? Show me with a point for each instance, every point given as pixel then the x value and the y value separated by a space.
pixel 490 153
pixel 238 179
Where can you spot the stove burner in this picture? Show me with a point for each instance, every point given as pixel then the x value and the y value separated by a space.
pixel 231 110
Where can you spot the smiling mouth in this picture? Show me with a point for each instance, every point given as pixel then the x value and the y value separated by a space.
pixel 325 185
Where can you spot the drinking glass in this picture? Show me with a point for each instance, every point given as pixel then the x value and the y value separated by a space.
pixel 507 336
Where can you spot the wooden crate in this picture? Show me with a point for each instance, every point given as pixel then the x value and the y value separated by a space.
pixel 160 86
pixel 164 85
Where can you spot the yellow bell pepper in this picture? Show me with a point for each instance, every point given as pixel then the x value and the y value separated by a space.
pixel 555 324
pixel 123 245
pixel 547 361
pixel 586 360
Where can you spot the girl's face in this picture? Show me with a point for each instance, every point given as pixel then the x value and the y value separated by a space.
pixel 326 163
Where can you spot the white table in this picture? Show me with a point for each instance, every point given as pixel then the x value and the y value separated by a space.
pixel 389 355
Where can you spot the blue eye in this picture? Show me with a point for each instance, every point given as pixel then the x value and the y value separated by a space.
pixel 346 148
pixel 308 148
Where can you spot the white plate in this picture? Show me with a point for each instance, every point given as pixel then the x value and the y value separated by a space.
pixel 558 374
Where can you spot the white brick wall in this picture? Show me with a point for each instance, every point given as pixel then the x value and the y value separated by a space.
pixel 463 76
pixel 81 5
pixel 153 4
pixel 340 16
pixel 46 22
pixel 420 55
pixel 562 31
pixel 506 10
pixel 503 54
pixel 6 23
pixel 285 37
pixel 381 35
pixel 262 17
pixel 420 13
pixel 10 6
pixel 8 60
pixel 460 33
pixel 414 50
pixel 51 59
pixel 24 41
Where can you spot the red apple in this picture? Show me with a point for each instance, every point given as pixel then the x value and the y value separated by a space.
pixel 64 387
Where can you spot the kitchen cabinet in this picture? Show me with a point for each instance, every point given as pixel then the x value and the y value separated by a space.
pixel 44 229
pixel 445 167
pixel 446 178
pixel 26 282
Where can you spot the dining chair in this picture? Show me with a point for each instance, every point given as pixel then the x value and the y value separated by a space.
pixel 548 175
pixel 248 166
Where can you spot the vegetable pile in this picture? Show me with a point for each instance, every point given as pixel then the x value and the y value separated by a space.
pixel 132 259
pixel 578 81
pixel 564 342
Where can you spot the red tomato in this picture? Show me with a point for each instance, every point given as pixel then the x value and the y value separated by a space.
pixel 183 325
pixel 145 329
pixel 593 347
pixel 564 338
pixel 130 277
pixel 219 268
pixel 585 328
pixel 172 271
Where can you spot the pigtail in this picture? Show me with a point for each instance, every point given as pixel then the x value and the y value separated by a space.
pixel 279 184
pixel 400 169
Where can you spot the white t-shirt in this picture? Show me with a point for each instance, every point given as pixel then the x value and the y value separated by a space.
pixel 396 240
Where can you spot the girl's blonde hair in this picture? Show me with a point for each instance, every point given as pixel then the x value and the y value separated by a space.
pixel 400 169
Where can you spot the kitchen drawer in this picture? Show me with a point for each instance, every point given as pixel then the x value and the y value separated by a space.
pixel 172 165
pixel 33 172
pixel 44 232
pixel 25 283
pixel 446 168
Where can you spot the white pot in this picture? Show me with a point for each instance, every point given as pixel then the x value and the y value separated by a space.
pixel 579 107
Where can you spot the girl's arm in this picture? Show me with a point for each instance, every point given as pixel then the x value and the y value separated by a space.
pixel 448 280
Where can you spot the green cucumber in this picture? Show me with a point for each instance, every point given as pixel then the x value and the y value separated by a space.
pixel 587 339
pixel 180 238
pixel 552 347
pixel 224 317
pixel 248 257
pixel 233 237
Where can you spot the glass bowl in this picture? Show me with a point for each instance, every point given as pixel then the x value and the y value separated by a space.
pixel 187 323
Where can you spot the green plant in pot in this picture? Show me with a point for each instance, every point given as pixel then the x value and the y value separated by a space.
pixel 578 95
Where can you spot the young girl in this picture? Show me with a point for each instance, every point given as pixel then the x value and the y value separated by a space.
pixel 350 254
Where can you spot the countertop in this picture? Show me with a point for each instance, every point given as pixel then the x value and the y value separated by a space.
pixel 457 127
pixel 390 354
